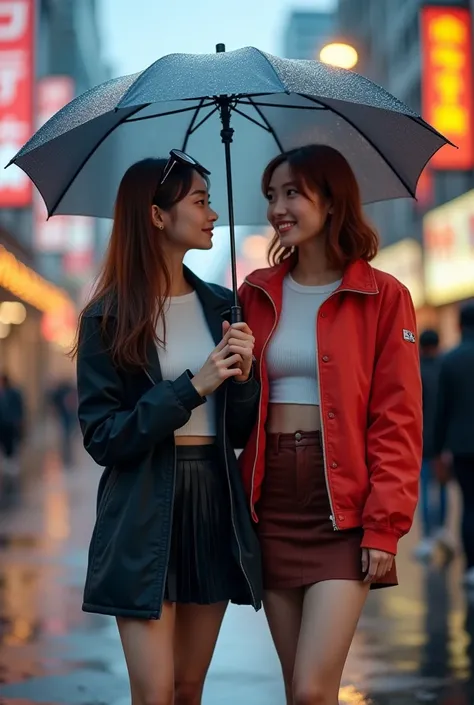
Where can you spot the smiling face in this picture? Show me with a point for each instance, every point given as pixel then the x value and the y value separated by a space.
pixel 296 216
pixel 189 224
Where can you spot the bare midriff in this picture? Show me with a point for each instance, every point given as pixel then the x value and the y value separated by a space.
pixel 290 418
pixel 194 440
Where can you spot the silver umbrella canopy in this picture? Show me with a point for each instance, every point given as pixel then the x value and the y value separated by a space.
pixel 258 103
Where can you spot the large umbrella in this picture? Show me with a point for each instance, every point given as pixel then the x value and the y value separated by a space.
pixel 262 104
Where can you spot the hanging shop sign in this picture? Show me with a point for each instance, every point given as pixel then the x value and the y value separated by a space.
pixel 17 31
pixel 448 236
pixel 447 90
pixel 404 260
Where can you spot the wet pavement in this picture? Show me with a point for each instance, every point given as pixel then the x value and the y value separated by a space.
pixel 413 644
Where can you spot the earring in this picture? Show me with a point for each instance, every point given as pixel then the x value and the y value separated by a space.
pixel 161 227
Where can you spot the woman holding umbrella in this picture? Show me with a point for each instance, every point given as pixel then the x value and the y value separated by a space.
pixel 332 466
pixel 166 393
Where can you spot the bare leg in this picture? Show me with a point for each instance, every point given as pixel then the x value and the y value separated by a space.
pixel 283 609
pixel 331 611
pixel 196 632
pixel 148 649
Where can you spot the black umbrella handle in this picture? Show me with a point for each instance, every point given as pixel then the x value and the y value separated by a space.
pixel 236 314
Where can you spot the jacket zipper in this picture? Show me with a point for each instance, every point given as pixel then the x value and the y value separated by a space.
pixel 172 515
pixel 332 518
pixel 232 502
pixel 260 367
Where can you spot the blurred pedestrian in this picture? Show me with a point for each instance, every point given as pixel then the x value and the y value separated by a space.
pixel 63 397
pixel 454 431
pixel 332 467
pixel 12 419
pixel 166 392
pixel 433 494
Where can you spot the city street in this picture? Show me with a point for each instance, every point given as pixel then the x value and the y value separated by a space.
pixel 412 645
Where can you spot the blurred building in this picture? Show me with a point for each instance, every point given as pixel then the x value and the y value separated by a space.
pixel 306 32
pixel 422 53
pixel 50 51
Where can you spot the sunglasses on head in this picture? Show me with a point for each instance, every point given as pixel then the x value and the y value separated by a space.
pixel 178 157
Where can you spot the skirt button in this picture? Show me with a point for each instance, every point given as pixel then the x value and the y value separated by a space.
pixel 298 436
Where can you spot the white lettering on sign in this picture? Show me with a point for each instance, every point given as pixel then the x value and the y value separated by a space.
pixel 16 94
pixel 13 66
pixel 13 20
pixel 13 177
pixel 12 130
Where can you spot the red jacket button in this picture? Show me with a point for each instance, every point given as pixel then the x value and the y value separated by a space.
pixel 325 358
pixel 334 465
pixel 341 517
pixel 331 415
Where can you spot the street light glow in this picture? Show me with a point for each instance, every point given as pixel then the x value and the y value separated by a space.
pixel 338 54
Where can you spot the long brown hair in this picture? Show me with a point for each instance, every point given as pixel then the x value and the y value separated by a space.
pixel 321 169
pixel 134 282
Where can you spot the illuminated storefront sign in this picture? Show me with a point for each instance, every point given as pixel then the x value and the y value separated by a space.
pixel 448 234
pixel 27 285
pixel 16 96
pixel 59 319
pixel 447 82
pixel 404 260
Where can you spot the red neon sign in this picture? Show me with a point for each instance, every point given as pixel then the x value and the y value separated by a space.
pixel 447 82
pixel 16 96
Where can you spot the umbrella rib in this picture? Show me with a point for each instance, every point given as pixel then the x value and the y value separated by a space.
pixel 170 112
pixel 372 144
pixel 267 123
pixel 84 161
pixel 201 122
pixel 189 131
pixel 251 119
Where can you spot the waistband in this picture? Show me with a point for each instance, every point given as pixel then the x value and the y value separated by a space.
pixel 294 440
pixel 202 452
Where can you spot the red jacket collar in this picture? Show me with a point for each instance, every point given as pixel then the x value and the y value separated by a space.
pixel 358 276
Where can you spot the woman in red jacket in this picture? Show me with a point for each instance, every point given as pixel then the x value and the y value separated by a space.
pixel 331 469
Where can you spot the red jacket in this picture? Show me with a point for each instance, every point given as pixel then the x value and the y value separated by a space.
pixel 370 391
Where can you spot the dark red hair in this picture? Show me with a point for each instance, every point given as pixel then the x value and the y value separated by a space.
pixel 135 281
pixel 320 169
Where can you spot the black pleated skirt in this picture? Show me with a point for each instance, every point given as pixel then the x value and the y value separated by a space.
pixel 201 568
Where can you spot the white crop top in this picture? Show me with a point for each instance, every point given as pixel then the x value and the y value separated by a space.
pixel 292 354
pixel 188 345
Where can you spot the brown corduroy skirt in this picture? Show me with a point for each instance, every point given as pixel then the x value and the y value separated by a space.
pixel 299 544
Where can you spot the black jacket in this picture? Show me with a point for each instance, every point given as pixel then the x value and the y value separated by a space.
pixel 430 367
pixel 455 409
pixel 128 421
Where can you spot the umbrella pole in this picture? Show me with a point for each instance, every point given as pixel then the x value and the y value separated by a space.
pixel 227 134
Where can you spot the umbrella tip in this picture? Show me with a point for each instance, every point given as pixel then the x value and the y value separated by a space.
pixel 220 48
